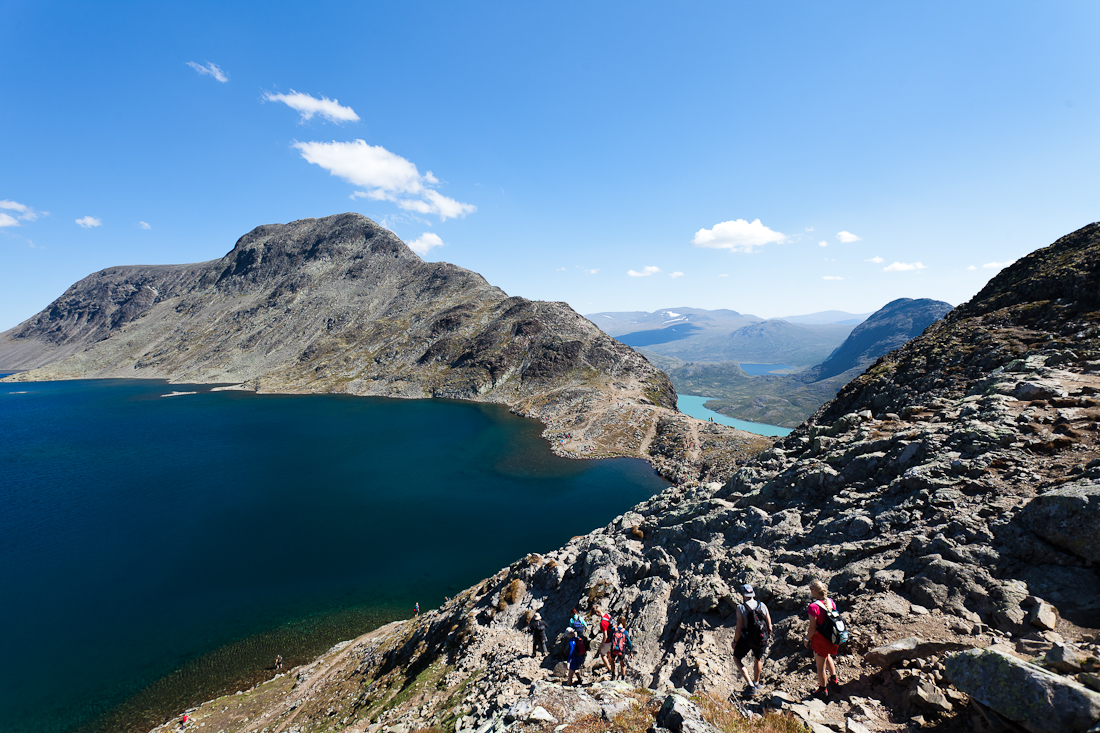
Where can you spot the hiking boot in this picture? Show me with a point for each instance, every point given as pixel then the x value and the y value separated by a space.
pixel 756 689
pixel 821 693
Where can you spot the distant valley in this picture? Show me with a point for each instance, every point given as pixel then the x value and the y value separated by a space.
pixel 703 352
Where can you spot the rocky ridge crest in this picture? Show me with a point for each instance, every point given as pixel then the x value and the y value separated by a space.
pixel 950 497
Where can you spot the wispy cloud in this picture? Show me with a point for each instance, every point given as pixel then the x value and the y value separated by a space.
pixel 89 221
pixel 737 236
pixel 876 259
pixel 307 106
pixel 997 265
pixel 145 225
pixel 903 267
pixel 22 213
pixel 425 242
pixel 831 277
pixel 724 274
pixel 822 243
pixel 386 176
pixel 592 271
pixel 847 237
pixel 675 274
pixel 646 271
pixel 210 69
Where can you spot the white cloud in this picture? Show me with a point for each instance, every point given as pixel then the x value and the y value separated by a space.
pixel 724 274
pixel 89 221
pixel 822 243
pixel 737 236
pixel 425 242
pixel 646 271
pixel 23 213
pixel 560 269
pixel 847 237
pixel 997 265
pixel 675 274
pixel 831 277
pixel 592 272
pixel 876 259
pixel 386 176
pixel 809 229
pixel 903 267
pixel 212 69
pixel 145 225
pixel 307 106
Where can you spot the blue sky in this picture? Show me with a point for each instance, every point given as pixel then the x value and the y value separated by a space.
pixel 775 159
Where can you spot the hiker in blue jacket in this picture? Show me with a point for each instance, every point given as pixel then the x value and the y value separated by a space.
pixel 576 650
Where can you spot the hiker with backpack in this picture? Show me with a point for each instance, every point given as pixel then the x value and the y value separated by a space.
pixel 824 636
pixel 538 635
pixel 605 627
pixel 575 650
pixel 621 645
pixel 753 633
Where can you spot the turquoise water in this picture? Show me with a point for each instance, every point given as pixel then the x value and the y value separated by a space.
pixel 693 406
pixel 155 550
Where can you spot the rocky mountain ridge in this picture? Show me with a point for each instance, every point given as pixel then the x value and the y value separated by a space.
pixel 949 496
pixel 340 304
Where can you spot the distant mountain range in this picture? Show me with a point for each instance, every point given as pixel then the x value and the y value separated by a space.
pixel 698 335
pixel 787 400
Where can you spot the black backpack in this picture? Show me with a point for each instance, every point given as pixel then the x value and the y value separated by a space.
pixel 756 625
pixel 832 626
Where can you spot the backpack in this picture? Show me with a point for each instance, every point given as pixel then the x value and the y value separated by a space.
pixel 577 625
pixel 756 625
pixel 618 641
pixel 581 647
pixel 832 626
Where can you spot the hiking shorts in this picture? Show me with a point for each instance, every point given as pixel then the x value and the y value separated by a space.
pixel 605 649
pixel 823 647
pixel 744 646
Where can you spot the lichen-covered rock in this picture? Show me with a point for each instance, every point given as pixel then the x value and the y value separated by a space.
pixel 1041 701
pixel 1068 517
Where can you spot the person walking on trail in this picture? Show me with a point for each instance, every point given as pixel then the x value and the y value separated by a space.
pixel 753 633
pixel 538 636
pixel 621 645
pixel 576 650
pixel 416 609
pixel 577 622
pixel 603 633
pixel 823 648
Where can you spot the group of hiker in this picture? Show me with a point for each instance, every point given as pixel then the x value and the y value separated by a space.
pixel 610 636
pixel 753 634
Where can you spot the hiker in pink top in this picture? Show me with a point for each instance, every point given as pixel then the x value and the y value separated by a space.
pixel 824 650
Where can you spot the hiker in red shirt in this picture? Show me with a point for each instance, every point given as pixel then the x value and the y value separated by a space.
pixel 824 650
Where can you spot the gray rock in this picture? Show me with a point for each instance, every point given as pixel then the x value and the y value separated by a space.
pixel 1040 701
pixel 860 527
pixel 1063 657
pixel 912 647
pixel 853 726
pixel 1068 517
pixel 929 697
pixel 680 715
pixel 1043 616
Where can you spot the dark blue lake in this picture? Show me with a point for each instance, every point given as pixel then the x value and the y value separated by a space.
pixel 155 551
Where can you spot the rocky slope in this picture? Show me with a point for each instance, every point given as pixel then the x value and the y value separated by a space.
pixel 950 496
pixel 340 304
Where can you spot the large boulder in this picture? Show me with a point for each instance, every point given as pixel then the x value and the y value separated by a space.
pixel 1068 517
pixel 912 647
pixel 1040 701
pixel 680 715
